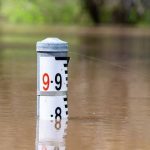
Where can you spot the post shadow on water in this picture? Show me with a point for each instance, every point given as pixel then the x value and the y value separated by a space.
pixel 51 135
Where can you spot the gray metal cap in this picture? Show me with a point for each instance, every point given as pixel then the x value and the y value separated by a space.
pixel 51 45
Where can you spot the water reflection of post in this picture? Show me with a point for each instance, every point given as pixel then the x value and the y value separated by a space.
pixel 50 135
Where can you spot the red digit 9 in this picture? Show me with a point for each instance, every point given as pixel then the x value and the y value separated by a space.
pixel 46 81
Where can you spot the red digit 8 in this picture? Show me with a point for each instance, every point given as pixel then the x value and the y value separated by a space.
pixel 46 81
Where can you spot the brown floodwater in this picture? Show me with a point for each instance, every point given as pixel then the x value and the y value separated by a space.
pixel 108 97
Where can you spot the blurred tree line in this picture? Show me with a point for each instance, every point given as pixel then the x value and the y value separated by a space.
pixel 120 11
pixel 76 11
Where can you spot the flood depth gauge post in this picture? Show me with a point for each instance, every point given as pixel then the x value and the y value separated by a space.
pixel 52 79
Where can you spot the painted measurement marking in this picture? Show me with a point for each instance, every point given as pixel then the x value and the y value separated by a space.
pixel 53 107
pixel 53 75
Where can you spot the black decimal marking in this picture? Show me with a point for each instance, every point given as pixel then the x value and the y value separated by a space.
pixel 58 80
pixel 65 65
pixel 66 112
pixel 66 71
pixel 65 99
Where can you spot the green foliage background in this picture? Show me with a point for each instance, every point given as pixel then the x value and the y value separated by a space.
pixel 62 12
pixel 40 11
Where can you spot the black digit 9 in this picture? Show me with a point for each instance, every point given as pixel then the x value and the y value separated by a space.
pixel 58 80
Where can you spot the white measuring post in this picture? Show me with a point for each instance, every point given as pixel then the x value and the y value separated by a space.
pixel 52 79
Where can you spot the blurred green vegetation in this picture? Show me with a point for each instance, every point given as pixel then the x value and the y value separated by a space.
pixel 75 12
pixel 40 12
